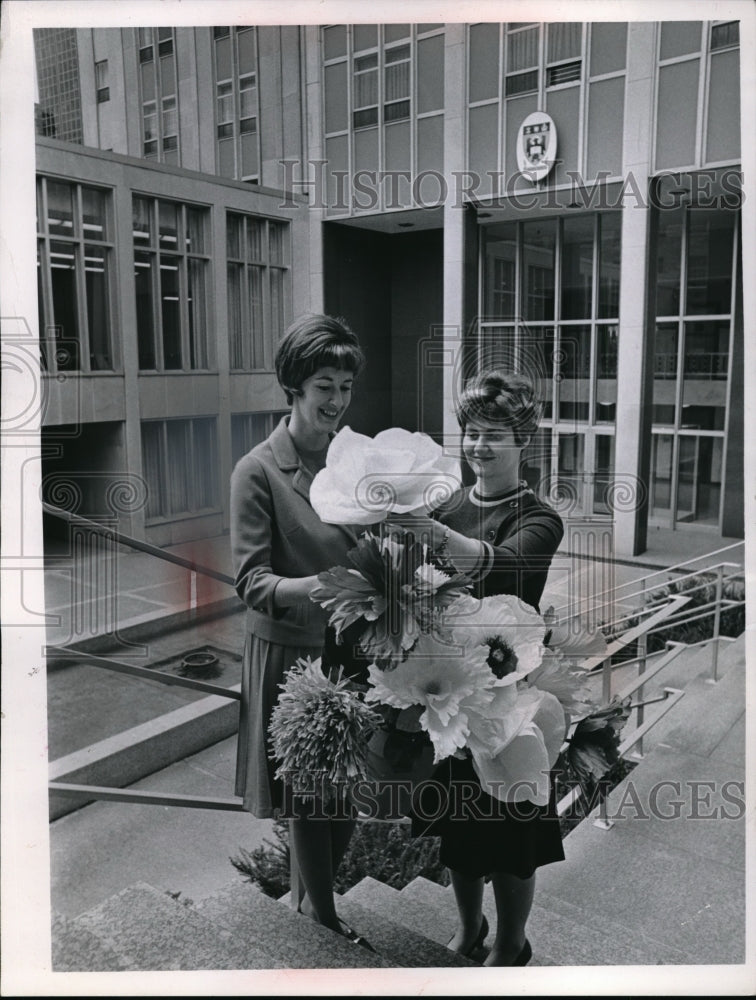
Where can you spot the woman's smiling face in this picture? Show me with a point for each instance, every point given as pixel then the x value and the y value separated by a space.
pixel 322 399
pixel 492 453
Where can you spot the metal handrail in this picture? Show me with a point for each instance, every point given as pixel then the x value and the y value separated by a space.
pixel 711 571
pixel 666 570
pixel 146 673
pixel 136 543
pixel 680 618
pixel 614 647
pixel 145 798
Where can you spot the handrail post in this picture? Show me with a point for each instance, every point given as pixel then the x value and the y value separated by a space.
pixel 717 622
pixel 295 878
pixel 602 821
pixel 642 649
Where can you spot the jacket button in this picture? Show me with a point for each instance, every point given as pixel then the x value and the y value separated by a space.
pixel 491 534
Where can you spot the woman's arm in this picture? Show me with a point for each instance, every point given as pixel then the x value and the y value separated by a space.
pixel 525 554
pixel 252 519
pixel 461 550
pixel 293 590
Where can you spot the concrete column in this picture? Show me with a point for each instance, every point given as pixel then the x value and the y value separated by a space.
pixel 455 91
pixel 633 375
pixel 189 86
pixel 314 150
pixel 89 118
pixel 205 111
pixel 113 113
pixel 126 322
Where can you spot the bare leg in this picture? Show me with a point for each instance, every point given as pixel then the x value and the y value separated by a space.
pixel 514 898
pixel 320 845
pixel 468 892
pixel 311 839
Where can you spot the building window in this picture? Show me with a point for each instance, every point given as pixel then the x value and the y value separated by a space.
pixel 250 429
pixel 56 56
pixel 259 289
pixel 694 281
pixel 522 58
pixel 725 36
pixel 396 93
pixel 698 116
pixel 74 269
pixel 236 103
pixel 159 90
pixel 383 111
pixel 180 465
pixel 171 275
pixel 550 307
pixel 101 81
pixel 564 49
pixel 365 94
pixel 392 91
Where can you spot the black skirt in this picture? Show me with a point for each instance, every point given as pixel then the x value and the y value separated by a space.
pixel 479 834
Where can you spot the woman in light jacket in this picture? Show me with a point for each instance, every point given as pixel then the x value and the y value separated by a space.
pixel 279 545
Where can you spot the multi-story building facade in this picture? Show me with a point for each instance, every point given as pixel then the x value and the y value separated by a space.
pixel 563 198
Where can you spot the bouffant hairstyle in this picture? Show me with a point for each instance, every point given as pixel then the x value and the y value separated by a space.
pixel 501 397
pixel 313 342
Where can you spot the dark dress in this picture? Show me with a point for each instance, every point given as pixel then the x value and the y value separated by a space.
pixel 480 834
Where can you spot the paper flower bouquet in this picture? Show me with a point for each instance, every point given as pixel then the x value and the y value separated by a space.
pixel 449 674
pixel 365 479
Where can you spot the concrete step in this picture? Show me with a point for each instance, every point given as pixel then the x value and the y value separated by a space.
pixel 559 934
pixel 563 934
pixel 76 949
pixel 298 942
pixel 695 664
pixel 706 714
pixel 652 882
pixel 149 930
pixel 404 944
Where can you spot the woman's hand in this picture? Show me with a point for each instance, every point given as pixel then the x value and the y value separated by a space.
pixel 422 528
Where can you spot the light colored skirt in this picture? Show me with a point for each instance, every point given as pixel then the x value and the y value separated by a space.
pixel 264 667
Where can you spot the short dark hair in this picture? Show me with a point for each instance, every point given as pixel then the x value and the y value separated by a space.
pixel 312 342
pixel 501 397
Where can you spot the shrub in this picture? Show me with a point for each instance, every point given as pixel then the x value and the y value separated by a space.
pixel 386 851
pixel 702 590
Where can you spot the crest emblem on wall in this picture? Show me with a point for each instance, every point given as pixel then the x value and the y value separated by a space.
pixel 536 146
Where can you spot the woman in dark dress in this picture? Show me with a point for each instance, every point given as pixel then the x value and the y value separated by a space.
pixel 504 537
pixel 279 545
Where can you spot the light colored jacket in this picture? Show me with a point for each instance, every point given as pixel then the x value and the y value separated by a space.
pixel 275 533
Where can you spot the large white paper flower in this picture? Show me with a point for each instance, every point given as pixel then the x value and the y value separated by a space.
pixel 511 630
pixel 520 772
pixel 448 683
pixel 365 478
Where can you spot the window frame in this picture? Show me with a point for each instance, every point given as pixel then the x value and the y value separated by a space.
pixel 163 141
pixel 197 466
pixel 557 426
pixel 246 262
pixel 232 124
pixel 156 253
pixel 78 241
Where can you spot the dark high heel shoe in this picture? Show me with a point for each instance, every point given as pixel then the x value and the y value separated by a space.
pixel 478 942
pixel 525 955
pixel 354 937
